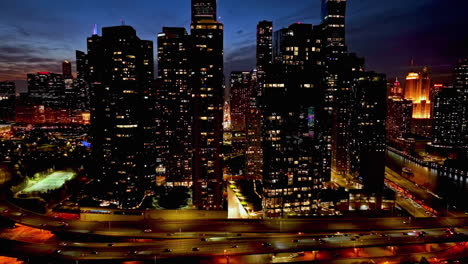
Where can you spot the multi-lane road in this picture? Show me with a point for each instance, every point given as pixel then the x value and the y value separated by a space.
pixel 218 238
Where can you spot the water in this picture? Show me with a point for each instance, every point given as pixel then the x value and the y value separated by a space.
pixel 452 188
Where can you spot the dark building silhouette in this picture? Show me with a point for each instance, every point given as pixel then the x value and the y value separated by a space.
pixel 67 69
pixel 369 95
pixel 264 45
pixel 174 106
pixel 461 84
pixel 294 162
pixel 448 118
pixel 119 76
pixel 47 89
pixel 207 85
pixel 333 21
pixel 7 100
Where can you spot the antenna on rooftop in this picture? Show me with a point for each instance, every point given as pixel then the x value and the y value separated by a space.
pixel 95 29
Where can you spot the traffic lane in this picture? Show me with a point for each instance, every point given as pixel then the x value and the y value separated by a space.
pixel 409 237
pixel 210 248
pixel 229 226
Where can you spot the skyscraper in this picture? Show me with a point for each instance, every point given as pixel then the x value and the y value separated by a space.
pixel 417 89
pixel 399 116
pixel 207 85
pixel 7 101
pixel 119 78
pixel 264 45
pixel 203 9
pixel 461 84
pixel 368 125
pixel 448 119
pixel 174 140
pixel 241 92
pixel 67 70
pixel 46 88
pixel 333 21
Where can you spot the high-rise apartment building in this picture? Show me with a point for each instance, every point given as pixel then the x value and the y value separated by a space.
pixel 448 119
pixel 368 125
pixel 264 45
pixel 207 86
pixel 461 84
pixel 119 77
pixel 174 139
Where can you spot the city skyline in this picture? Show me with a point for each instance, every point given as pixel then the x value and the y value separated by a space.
pixel 318 131
pixel 375 28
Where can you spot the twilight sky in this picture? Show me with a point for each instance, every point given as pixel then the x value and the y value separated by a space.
pixel 38 35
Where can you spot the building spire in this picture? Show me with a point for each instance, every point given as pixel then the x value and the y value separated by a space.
pixel 95 29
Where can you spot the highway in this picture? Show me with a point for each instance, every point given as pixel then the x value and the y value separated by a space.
pixel 219 238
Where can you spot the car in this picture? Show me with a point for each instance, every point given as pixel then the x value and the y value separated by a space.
pixel 353 239
pixel 195 249
pixel 133 252
pixel 266 244
pixel 295 240
pixel 148 230
pixel 6 211
pixel 170 234
pixel 94 252
pixel 43 225
pixel 63 244
pixel 110 245
pixel 203 239
pixel 167 250
pixel 58 251
pixel 234 246
pixel 239 234
pixel 404 233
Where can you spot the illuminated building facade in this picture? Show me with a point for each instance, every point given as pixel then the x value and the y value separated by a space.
pixel 207 86
pixel 7 101
pixel 174 140
pixel 368 135
pixel 246 121
pixel 399 116
pixel 241 92
pixel 418 90
pixel 395 89
pixel 119 79
pixel 254 151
